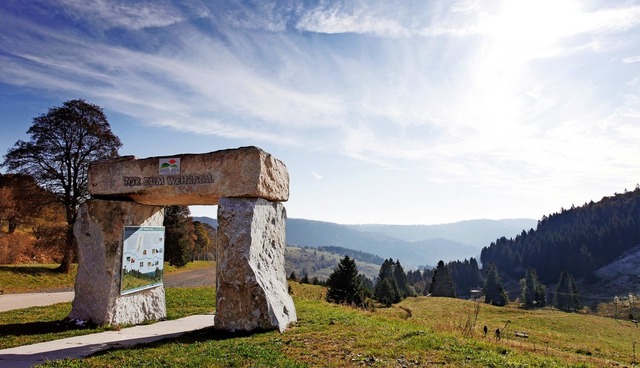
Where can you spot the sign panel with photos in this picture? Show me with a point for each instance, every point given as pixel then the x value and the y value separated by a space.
pixel 142 258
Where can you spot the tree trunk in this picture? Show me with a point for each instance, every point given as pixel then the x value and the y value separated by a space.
pixel 13 224
pixel 69 251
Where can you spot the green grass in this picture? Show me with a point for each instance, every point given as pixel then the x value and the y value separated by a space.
pixel 182 302
pixel 37 324
pixel 24 278
pixel 419 331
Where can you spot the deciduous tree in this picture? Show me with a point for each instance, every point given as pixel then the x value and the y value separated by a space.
pixel 202 240
pixel 62 144
pixel 21 201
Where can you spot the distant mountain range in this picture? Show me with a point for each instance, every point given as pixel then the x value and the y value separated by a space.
pixel 413 245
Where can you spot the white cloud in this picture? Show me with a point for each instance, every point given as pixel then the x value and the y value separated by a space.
pixel 130 15
pixel 462 93
pixel 316 175
pixel 323 20
pixel 631 59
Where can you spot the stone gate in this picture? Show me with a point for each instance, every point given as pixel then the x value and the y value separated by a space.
pixel 247 184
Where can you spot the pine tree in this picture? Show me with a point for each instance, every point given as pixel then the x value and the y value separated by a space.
pixel 401 280
pixel 566 296
pixel 344 285
pixel 387 290
pixel 442 283
pixel 533 293
pixel 494 292
pixel 541 296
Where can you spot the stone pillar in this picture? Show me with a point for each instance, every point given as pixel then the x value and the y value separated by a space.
pixel 252 290
pixel 99 231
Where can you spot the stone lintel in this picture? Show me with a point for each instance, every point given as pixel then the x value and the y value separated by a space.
pixel 191 179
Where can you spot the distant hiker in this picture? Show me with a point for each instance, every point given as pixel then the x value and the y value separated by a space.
pixel 497 334
pixel 485 330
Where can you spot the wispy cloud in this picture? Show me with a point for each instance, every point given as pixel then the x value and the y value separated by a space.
pixel 316 175
pixel 459 91
pixel 107 14
pixel 322 20
pixel 631 59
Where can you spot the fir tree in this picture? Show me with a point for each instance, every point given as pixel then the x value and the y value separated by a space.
pixel 494 292
pixel 387 290
pixel 541 296
pixel 442 283
pixel 344 285
pixel 533 292
pixel 566 296
pixel 401 280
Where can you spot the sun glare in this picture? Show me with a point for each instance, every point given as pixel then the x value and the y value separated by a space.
pixel 517 33
pixel 523 30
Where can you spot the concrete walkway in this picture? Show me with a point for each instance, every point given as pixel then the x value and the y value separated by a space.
pixel 82 346
pixel 19 301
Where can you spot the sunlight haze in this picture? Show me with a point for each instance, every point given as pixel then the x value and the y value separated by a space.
pixel 408 112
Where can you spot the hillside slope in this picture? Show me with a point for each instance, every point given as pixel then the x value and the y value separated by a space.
pixel 413 245
pixel 475 233
pixel 318 263
pixel 376 239
pixel 579 240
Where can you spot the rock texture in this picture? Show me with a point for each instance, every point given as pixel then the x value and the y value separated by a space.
pixel 99 231
pixel 199 179
pixel 252 290
pixel 247 183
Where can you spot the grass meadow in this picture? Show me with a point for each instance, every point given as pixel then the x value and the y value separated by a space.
pixel 418 332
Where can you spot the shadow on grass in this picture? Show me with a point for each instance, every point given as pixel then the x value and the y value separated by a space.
pixel 204 334
pixel 41 328
pixel 31 270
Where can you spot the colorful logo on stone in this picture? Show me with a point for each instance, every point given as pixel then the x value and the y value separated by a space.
pixel 169 166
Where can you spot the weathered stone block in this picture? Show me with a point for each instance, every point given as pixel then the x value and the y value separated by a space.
pixel 99 231
pixel 252 290
pixel 191 179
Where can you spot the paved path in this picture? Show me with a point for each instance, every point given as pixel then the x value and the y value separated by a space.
pixel 18 301
pixel 82 346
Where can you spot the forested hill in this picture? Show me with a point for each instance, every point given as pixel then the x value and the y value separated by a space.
pixel 579 240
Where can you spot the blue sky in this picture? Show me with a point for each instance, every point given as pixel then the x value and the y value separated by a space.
pixel 407 112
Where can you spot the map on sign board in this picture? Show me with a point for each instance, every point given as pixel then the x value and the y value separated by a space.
pixel 142 258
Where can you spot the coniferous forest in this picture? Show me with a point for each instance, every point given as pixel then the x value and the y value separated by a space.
pixel 578 240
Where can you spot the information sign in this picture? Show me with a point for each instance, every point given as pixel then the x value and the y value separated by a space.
pixel 142 258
